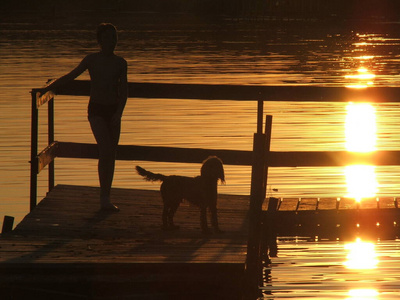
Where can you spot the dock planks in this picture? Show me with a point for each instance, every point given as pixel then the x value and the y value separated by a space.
pixel 66 234
pixel 66 247
pixel 337 218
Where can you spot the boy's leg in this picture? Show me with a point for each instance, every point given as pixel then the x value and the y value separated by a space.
pixel 107 140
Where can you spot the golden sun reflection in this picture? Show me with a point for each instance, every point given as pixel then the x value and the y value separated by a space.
pixel 360 294
pixel 364 78
pixel 361 255
pixel 360 132
pixel 361 181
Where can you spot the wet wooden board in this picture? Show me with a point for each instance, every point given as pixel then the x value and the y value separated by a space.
pixel 288 204
pixel 369 203
pixel 327 203
pixel 387 202
pixel 307 204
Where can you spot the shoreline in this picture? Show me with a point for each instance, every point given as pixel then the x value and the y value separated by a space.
pixel 150 20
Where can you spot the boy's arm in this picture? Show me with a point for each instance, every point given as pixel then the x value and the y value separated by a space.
pixel 66 78
pixel 123 89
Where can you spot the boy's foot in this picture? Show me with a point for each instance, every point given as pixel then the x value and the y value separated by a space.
pixel 109 208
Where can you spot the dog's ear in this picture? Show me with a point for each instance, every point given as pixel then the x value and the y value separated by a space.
pixel 213 167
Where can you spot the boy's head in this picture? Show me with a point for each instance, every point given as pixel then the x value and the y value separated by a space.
pixel 107 37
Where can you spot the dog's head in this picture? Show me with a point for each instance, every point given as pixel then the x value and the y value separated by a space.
pixel 213 168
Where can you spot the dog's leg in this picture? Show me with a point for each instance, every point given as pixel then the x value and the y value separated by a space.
pixel 203 220
pixel 172 210
pixel 168 218
pixel 165 217
pixel 214 219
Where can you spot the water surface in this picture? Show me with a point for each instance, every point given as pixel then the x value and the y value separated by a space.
pixel 306 55
pixel 324 270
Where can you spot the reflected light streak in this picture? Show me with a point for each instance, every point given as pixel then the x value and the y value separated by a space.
pixel 360 127
pixel 359 294
pixel 362 75
pixel 365 57
pixel 361 181
pixel 361 255
pixel 360 132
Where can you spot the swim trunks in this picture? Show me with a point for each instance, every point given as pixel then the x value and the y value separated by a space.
pixel 104 111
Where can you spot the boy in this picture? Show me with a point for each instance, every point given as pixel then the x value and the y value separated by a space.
pixel 108 95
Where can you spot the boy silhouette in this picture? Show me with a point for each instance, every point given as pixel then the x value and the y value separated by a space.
pixel 108 95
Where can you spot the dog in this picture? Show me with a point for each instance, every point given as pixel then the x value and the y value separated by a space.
pixel 200 191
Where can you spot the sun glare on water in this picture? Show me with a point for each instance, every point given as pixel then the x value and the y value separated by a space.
pixel 363 77
pixel 360 132
pixel 360 127
pixel 361 181
pixel 363 294
pixel 361 255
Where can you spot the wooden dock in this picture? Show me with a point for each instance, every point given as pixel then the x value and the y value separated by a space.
pixel 335 218
pixel 66 247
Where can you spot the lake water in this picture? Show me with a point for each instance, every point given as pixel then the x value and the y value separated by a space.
pixel 306 54
pixel 334 270
pixel 210 54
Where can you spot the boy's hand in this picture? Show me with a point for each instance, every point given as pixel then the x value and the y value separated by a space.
pixel 42 91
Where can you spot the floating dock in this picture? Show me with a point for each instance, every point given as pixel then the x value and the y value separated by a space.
pixel 66 247
pixel 334 218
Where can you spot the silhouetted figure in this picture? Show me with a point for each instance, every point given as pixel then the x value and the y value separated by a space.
pixel 200 190
pixel 108 95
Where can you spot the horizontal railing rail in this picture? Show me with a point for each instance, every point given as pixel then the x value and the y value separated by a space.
pixel 229 157
pixel 241 92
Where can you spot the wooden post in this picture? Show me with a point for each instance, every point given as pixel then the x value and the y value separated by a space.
pixel 51 140
pixel 268 235
pixel 7 224
pixel 257 196
pixel 260 112
pixel 34 147
pixel 256 199
pixel 268 132
pixel 269 246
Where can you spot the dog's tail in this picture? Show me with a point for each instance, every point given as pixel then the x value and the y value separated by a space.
pixel 149 176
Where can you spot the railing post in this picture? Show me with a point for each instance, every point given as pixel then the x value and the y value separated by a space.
pixel 34 147
pixel 268 235
pixel 252 271
pixel 260 115
pixel 257 196
pixel 269 246
pixel 268 132
pixel 51 140
pixel 8 224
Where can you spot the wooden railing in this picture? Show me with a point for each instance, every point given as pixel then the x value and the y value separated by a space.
pixel 261 158
pixel 210 92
